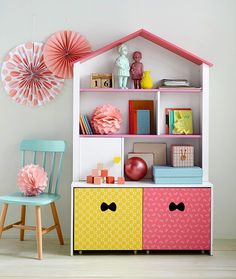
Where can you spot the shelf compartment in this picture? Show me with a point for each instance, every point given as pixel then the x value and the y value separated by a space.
pixel 143 136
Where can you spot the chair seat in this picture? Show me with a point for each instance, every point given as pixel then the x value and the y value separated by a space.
pixel 19 198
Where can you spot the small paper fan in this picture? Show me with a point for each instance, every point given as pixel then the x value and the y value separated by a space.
pixel 26 78
pixel 61 49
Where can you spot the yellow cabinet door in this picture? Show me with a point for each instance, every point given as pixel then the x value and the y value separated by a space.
pixel 107 219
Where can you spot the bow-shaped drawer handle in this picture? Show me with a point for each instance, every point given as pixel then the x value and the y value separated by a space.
pixel 173 206
pixel 105 206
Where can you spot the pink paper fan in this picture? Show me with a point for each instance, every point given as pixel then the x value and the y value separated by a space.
pixel 61 49
pixel 26 77
pixel 32 180
pixel 106 119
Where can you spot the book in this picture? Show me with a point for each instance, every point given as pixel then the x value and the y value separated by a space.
pixel 140 105
pixel 82 125
pixel 183 122
pixel 167 111
pixel 143 122
pixel 88 125
pixel 175 83
pixel 171 121
pixel 85 125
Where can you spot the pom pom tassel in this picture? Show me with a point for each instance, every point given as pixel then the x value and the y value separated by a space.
pixel 32 180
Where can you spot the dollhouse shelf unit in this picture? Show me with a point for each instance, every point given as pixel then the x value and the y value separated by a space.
pixel 127 228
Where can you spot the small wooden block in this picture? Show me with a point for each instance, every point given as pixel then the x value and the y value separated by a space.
pixel 121 180
pixel 106 82
pixel 110 179
pixel 97 180
pixel 96 172
pixel 89 179
pixel 100 166
pixel 104 173
pixel 100 80
pixel 95 81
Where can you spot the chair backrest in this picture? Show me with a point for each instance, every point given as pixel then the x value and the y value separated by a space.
pixel 47 153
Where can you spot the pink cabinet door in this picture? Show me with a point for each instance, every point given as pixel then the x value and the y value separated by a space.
pixel 177 218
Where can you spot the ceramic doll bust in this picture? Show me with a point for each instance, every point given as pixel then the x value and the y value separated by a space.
pixel 136 69
pixel 122 65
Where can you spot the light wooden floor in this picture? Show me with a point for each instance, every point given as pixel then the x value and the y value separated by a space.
pixel 17 261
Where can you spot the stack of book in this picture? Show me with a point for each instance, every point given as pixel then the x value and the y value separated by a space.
pixel 85 127
pixel 179 121
pixel 175 83
pixel 141 117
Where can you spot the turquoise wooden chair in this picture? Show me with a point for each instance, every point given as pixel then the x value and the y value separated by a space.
pixel 49 154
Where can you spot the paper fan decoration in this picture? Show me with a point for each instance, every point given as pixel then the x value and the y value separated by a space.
pixel 26 78
pixel 61 49
pixel 106 119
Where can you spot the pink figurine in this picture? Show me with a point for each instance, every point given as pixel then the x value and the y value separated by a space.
pixel 136 69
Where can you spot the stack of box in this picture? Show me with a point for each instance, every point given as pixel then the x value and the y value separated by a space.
pixel 182 170
pixel 181 175
pixel 101 175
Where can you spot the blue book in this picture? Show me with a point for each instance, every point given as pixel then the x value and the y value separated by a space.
pixel 143 122
pixel 171 121
pixel 88 125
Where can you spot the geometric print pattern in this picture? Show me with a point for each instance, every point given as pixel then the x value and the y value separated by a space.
pixel 189 229
pixel 95 229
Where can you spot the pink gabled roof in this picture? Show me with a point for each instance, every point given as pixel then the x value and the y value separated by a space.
pixel 150 37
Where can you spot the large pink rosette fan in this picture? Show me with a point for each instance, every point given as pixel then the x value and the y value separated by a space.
pixel 32 180
pixel 63 48
pixel 106 119
pixel 26 77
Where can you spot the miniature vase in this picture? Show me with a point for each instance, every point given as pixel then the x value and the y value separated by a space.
pixel 146 82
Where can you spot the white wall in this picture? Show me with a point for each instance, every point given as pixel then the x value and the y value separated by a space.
pixel 205 27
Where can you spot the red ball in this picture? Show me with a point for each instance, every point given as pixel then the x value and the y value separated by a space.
pixel 135 168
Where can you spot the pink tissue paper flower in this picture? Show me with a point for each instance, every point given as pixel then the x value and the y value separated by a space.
pixel 32 180
pixel 106 119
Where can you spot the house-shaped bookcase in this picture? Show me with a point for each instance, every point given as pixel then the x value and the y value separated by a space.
pixel 164 60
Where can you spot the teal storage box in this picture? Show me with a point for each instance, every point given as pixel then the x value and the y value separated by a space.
pixel 171 175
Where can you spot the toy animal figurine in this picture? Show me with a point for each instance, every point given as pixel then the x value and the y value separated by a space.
pixel 122 64
pixel 136 69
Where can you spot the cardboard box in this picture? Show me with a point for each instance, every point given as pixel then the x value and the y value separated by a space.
pixel 171 175
pixel 182 155
pixel 158 150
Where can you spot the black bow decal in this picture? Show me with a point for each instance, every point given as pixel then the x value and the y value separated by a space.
pixel 173 206
pixel 105 206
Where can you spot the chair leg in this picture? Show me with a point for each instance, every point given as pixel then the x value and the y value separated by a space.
pixel 57 223
pixel 22 231
pixel 3 217
pixel 39 232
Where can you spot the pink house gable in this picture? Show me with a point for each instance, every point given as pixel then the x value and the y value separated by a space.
pixel 153 38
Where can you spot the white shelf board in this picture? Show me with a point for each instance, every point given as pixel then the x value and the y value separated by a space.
pixel 139 184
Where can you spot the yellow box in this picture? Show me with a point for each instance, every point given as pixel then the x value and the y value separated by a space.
pixel 115 226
